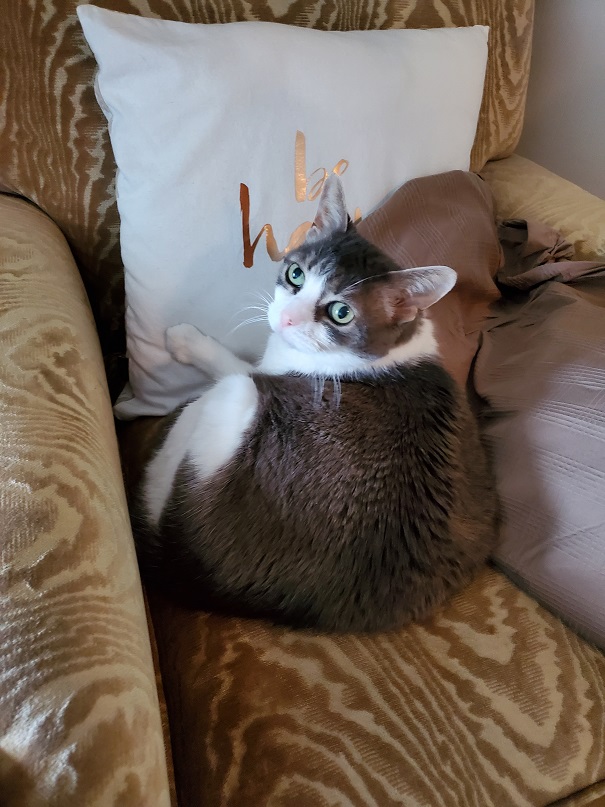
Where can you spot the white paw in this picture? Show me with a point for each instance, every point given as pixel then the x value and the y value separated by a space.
pixel 182 342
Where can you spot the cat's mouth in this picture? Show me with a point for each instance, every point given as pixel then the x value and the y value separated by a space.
pixel 297 338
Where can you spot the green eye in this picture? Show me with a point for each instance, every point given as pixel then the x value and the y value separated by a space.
pixel 340 313
pixel 295 275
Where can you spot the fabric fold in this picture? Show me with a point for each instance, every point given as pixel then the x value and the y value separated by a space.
pixel 534 253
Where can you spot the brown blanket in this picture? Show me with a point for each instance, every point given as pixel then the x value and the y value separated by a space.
pixel 534 253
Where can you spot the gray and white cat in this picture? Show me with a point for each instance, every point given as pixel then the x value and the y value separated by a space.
pixel 340 485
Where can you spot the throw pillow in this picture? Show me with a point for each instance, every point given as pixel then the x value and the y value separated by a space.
pixel 223 136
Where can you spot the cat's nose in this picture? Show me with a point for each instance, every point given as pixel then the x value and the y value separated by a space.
pixel 286 320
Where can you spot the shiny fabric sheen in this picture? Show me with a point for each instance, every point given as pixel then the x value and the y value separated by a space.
pixel 79 718
pixel 492 702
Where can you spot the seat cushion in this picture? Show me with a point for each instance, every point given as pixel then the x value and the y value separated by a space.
pixel 493 701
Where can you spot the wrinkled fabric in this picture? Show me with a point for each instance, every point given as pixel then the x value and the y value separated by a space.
pixel 541 372
pixel 534 253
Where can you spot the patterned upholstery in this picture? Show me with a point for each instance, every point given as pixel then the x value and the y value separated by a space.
pixel 492 703
pixel 79 718
pixel 593 796
pixel 54 146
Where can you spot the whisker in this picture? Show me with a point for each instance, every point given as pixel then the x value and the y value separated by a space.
pixel 257 318
pixel 363 280
pixel 263 309
pixel 252 307
pixel 264 296
pixel 318 389
pixel 337 391
pixel 248 321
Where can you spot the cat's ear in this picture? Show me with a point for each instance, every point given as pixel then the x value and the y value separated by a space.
pixel 331 216
pixel 409 291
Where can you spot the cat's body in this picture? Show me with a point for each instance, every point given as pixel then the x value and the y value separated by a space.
pixel 342 484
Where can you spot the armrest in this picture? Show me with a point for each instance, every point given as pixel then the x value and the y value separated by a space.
pixel 79 721
pixel 525 190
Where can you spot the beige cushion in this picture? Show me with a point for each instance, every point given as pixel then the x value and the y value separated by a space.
pixel 524 190
pixel 493 702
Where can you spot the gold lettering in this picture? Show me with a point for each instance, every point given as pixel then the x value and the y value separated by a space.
pixel 317 187
pixel 300 167
pixel 316 180
pixel 244 203
pixel 340 167
pixel 301 180
pixel 274 252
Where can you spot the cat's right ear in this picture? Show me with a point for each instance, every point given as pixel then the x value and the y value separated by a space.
pixel 331 216
pixel 409 291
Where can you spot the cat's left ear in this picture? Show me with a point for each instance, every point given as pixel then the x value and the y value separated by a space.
pixel 331 216
pixel 409 291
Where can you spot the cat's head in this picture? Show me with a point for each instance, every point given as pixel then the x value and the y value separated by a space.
pixel 337 292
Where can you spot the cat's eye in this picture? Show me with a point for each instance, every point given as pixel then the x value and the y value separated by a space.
pixel 340 313
pixel 295 275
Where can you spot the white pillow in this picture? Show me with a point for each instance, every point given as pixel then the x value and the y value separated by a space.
pixel 200 113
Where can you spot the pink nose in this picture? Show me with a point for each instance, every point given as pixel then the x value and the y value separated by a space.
pixel 286 320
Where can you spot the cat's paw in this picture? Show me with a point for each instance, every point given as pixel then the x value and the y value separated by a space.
pixel 182 342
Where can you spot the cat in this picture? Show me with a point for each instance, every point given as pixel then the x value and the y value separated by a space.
pixel 340 485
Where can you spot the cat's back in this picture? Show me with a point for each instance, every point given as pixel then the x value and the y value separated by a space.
pixel 394 418
pixel 352 460
pixel 337 510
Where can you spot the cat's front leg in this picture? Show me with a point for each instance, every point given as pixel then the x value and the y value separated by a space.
pixel 188 345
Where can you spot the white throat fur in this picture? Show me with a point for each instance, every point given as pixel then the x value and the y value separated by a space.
pixel 280 358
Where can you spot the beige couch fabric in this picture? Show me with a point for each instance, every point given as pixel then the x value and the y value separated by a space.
pixel 79 718
pixel 589 797
pixel 54 147
pixel 493 702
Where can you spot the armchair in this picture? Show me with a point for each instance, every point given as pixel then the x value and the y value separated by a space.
pixel 106 702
